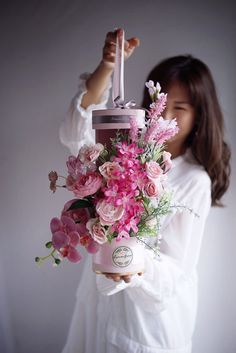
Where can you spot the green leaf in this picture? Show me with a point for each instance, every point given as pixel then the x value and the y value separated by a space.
pixel 80 204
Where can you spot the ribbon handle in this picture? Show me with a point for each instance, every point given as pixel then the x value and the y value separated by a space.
pixel 118 76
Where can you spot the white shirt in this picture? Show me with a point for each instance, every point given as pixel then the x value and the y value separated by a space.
pixel 156 312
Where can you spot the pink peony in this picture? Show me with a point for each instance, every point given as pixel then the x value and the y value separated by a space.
pixel 108 213
pixel 97 232
pixel 85 185
pixel 89 154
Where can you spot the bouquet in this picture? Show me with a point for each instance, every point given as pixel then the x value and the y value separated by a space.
pixel 120 192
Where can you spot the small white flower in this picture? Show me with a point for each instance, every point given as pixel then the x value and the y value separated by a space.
pixel 154 202
pixel 152 91
pixel 150 84
pixel 158 87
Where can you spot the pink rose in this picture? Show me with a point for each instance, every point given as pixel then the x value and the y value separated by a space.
pixel 153 170
pixel 167 162
pixel 96 231
pixel 152 189
pixel 85 185
pixel 109 170
pixel 108 213
pixel 89 154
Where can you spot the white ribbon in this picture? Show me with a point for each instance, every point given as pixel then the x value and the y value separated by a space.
pixel 118 76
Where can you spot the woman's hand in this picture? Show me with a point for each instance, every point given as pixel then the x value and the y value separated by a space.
pixel 109 49
pixel 98 80
pixel 118 278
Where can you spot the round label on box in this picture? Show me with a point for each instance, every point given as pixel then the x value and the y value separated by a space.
pixel 122 256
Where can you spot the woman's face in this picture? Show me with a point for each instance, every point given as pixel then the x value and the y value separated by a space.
pixel 179 107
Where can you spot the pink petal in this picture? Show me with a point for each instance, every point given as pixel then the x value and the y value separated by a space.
pixel 55 225
pixel 69 223
pixel 81 229
pixel 59 239
pixel 74 238
pixel 68 204
pixel 93 247
pixel 73 255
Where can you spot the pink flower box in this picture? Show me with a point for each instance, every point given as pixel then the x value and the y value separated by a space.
pixel 123 257
pixel 107 122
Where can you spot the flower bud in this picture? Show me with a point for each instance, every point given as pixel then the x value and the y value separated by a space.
pixel 57 261
pixel 48 244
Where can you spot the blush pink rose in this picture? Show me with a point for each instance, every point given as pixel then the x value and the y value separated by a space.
pixel 85 185
pixel 108 213
pixel 109 170
pixel 167 162
pixel 153 189
pixel 153 170
pixel 96 231
pixel 90 153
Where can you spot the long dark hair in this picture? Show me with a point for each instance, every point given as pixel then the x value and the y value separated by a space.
pixel 206 140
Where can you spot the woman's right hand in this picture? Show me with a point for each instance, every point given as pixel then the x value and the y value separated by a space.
pixel 98 80
pixel 109 49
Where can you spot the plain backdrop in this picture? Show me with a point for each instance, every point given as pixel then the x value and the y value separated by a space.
pixel 45 46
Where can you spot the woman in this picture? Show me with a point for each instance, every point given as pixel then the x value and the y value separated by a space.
pixel 155 312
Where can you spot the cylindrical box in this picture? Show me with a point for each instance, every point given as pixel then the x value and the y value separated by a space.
pixel 106 122
pixel 123 257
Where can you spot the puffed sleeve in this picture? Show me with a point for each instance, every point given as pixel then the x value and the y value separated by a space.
pixel 182 237
pixel 76 129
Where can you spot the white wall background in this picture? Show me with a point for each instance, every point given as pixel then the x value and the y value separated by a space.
pixel 44 47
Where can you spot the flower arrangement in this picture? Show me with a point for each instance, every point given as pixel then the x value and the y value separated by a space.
pixel 119 193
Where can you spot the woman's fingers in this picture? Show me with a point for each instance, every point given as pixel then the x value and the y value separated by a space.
pixel 134 42
pixel 126 278
pixel 109 49
pixel 111 36
pixel 118 278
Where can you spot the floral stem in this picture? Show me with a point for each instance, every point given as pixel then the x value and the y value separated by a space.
pixel 49 255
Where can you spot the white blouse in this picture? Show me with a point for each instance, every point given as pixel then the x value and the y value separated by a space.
pixel 156 312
